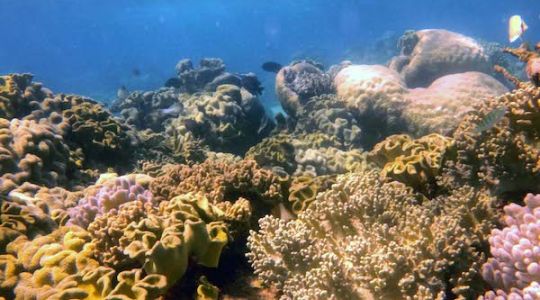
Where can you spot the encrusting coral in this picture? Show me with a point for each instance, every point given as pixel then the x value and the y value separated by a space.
pixel 515 265
pixel 366 239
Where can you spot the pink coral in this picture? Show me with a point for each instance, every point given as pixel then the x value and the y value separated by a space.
pixel 110 196
pixel 516 250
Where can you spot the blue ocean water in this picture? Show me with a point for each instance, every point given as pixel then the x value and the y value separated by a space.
pixel 93 47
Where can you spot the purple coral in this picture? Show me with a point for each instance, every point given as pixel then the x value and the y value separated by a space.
pixel 515 265
pixel 108 197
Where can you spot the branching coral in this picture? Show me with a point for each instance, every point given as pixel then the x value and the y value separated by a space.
pixel 515 265
pixel 416 163
pixel 221 180
pixel 367 238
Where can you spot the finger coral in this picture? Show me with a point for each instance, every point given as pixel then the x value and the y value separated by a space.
pixel 514 267
pixel 222 180
pixel 366 239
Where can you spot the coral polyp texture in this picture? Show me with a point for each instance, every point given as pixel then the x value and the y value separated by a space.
pixel 364 238
pixel 514 267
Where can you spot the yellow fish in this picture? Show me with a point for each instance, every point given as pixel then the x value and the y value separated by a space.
pixel 516 27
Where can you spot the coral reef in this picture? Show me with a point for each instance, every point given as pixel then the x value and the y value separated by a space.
pixel 429 54
pixel 514 267
pixel 298 82
pixel 531 59
pixel 366 239
pixel 439 107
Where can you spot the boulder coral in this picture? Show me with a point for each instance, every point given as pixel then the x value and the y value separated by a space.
pixel 514 267
pixel 365 239
pixel 439 107
pixel 375 95
pixel 432 53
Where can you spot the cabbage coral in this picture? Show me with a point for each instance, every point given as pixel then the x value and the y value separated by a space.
pixel 365 238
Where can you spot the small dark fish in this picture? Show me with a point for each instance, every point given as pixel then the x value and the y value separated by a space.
pixel 191 125
pixel 173 82
pixel 271 66
pixel 136 72
pixel 491 119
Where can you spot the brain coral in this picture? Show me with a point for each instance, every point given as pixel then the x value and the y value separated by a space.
pixel 440 107
pixel 432 53
pixel 505 155
pixel 31 151
pixel 416 163
pixel 515 265
pixel 298 82
pixel 375 95
pixel 367 239
pixel 229 120
pixel 18 94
